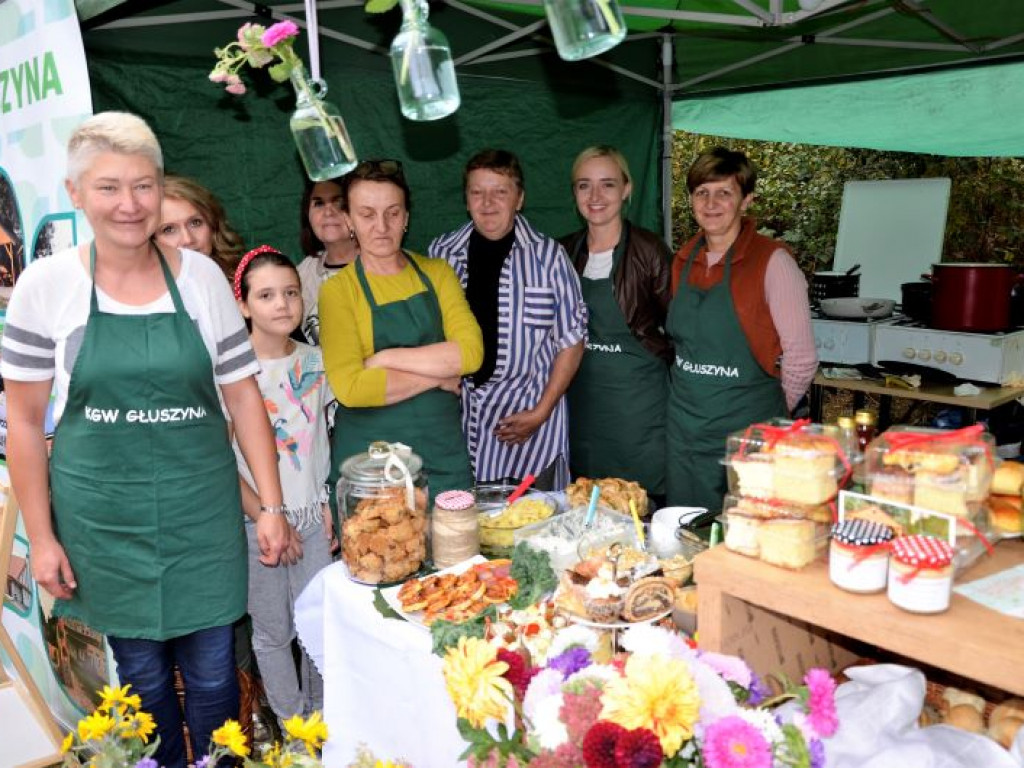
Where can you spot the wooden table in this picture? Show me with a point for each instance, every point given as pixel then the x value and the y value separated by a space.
pixel 986 400
pixel 968 640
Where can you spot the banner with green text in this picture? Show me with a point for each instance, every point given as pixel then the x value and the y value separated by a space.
pixel 44 94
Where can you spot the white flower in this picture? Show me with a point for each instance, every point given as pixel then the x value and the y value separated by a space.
pixel 575 635
pixel 716 697
pixel 599 672
pixel 549 732
pixel 545 684
pixel 647 639
pixel 765 722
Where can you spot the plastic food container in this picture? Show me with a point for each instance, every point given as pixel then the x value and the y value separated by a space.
pixel 559 536
pixel 787 461
pixel 499 521
pixel 920 574
pixel 776 508
pixel 859 556
pixel 940 470
pixel 382 499
pixel 785 542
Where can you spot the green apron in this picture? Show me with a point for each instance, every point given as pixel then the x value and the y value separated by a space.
pixel 430 422
pixel 617 398
pixel 143 480
pixel 716 387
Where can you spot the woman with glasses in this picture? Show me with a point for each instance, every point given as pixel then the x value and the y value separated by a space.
pixel 397 335
pixel 740 322
pixel 623 377
pixel 192 217
pixel 329 245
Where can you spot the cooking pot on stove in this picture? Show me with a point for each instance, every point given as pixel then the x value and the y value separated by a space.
pixel 972 297
pixel 916 299
pixel 834 285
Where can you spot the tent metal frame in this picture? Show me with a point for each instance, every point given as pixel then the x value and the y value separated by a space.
pixel 748 14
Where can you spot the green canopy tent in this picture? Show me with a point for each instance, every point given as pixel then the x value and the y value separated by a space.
pixel 898 74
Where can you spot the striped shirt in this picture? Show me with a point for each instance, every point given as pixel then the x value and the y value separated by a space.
pixel 540 313
pixel 49 309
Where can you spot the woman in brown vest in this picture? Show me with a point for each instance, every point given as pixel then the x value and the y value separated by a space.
pixel 740 322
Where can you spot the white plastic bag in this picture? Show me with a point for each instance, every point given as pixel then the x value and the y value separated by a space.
pixel 878 712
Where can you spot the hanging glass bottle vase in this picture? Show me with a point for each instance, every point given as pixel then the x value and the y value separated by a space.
pixel 423 66
pixel 584 28
pixel 319 132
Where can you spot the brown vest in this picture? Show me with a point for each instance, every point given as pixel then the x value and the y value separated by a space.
pixel 750 262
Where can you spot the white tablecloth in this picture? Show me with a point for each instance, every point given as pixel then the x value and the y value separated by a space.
pixel 382 685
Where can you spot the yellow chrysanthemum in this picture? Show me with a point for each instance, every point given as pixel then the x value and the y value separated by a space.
pixel 95 726
pixel 312 732
pixel 139 725
pixel 111 697
pixel 656 693
pixel 69 740
pixel 230 735
pixel 474 679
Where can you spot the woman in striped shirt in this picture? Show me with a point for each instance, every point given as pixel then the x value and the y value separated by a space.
pixel 526 296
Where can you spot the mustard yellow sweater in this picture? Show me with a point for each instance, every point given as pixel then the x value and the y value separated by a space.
pixel 346 326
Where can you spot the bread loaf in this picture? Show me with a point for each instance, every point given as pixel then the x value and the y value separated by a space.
pixel 1008 479
pixel 1005 513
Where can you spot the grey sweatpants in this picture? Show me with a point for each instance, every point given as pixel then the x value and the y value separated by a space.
pixel 272 595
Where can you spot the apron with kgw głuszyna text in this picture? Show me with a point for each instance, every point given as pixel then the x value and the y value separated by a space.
pixel 143 480
pixel 617 398
pixel 716 386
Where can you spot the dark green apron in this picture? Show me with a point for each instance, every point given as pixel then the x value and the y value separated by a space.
pixel 143 480
pixel 716 387
pixel 430 422
pixel 617 398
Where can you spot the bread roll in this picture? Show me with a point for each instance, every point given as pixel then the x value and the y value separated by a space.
pixel 954 697
pixel 1005 513
pixel 1008 479
pixel 1005 731
pixel 966 718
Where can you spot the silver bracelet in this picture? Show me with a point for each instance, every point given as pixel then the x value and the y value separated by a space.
pixel 273 509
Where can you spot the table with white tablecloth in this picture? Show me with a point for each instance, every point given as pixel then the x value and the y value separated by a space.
pixel 382 685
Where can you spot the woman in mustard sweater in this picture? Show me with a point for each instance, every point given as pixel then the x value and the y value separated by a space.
pixel 397 336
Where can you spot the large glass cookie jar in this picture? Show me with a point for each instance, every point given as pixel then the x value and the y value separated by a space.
pixel 382 500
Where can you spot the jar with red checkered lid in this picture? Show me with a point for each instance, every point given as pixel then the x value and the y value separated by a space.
pixel 920 573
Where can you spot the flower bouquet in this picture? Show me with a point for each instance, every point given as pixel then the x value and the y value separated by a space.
pixel 661 703
pixel 319 132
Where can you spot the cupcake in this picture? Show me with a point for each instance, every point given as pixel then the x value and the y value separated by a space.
pixel 603 597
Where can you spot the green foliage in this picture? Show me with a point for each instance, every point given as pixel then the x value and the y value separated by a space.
pixel 800 192
pixel 380 6
pixel 446 634
pixel 531 569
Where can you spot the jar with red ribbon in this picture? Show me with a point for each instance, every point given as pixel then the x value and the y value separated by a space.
pixel 859 555
pixel 920 573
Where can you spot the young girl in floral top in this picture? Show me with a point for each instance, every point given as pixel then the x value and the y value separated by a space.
pixel 295 392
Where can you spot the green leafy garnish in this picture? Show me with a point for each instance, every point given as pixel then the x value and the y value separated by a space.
pixel 446 634
pixel 531 569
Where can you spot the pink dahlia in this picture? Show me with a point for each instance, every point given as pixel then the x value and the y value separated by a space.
pixel 599 744
pixel 279 32
pixel 639 748
pixel 732 742
pixel 821 704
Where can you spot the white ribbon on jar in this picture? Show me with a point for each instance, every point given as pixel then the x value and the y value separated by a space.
pixel 398 454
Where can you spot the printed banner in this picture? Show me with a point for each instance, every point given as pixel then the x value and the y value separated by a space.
pixel 44 94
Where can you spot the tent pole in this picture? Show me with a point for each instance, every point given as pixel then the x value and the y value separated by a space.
pixel 667 52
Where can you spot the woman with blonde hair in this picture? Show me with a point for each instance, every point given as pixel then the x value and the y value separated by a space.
pixel 192 217
pixel 134 520
pixel 623 377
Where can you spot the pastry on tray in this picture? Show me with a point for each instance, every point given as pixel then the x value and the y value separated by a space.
pixel 648 598
pixel 615 494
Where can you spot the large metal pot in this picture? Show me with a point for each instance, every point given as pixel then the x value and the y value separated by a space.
pixel 972 297
pixel 833 285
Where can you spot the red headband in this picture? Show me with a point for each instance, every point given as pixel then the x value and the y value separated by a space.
pixel 244 264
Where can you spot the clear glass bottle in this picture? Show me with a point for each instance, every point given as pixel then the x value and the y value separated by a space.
pixel 848 437
pixel 319 132
pixel 585 28
pixel 423 66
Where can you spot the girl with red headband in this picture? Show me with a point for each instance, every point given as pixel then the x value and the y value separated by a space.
pixel 295 390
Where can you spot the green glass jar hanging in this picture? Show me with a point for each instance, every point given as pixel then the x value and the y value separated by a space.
pixel 319 132
pixel 584 28
pixel 423 66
